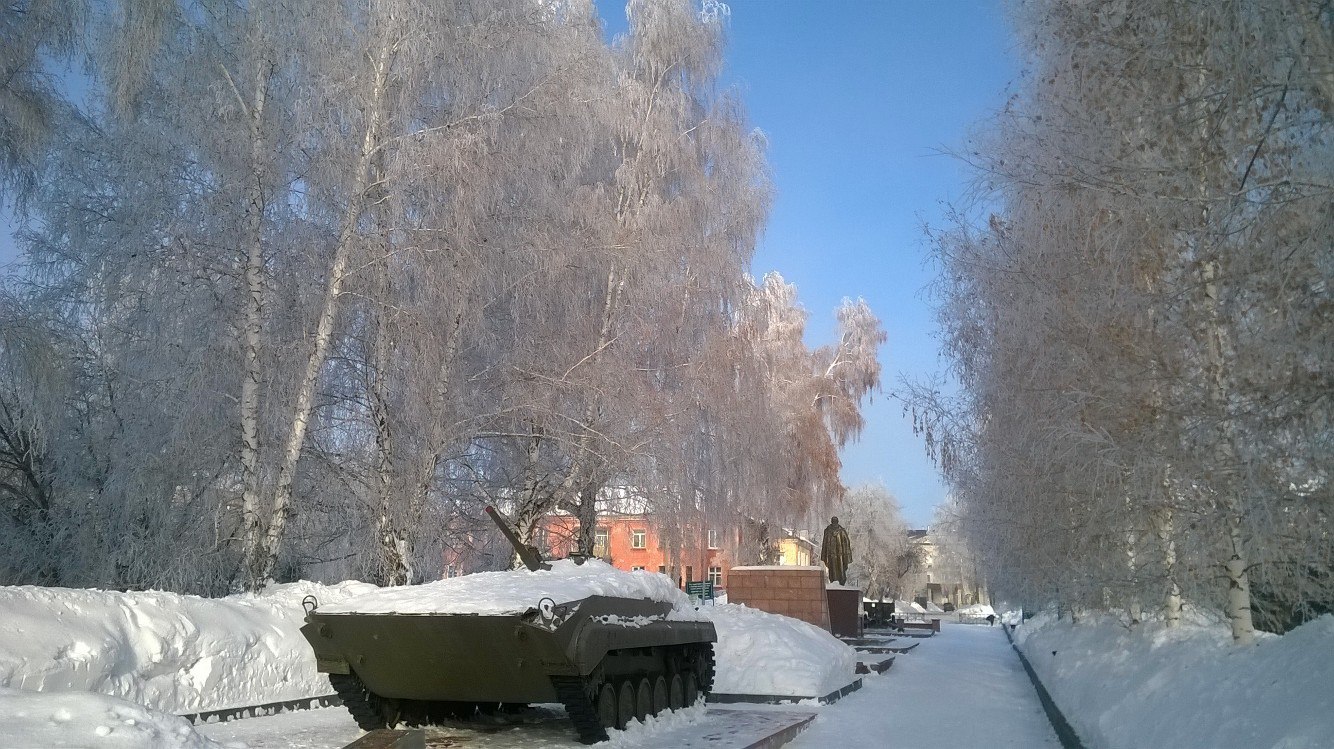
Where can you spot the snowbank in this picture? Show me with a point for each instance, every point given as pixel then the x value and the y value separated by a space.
pixel 908 607
pixel 174 652
pixel 1186 687
pixel 79 720
pixel 762 653
pixel 185 654
pixel 977 610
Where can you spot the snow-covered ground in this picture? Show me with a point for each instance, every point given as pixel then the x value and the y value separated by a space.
pixel 85 668
pixel 92 654
pixel 1187 687
pixel 962 688
pixel 79 720
pixel 965 688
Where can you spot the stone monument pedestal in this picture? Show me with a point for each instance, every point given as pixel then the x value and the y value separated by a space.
pixel 844 610
pixel 789 590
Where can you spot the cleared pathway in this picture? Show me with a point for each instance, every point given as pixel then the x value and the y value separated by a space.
pixel 962 688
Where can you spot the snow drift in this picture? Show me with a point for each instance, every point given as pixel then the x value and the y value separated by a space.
pixel 173 652
pixel 185 654
pixel 75 720
pixel 1188 686
pixel 763 653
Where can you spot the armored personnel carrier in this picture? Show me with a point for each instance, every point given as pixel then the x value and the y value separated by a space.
pixel 607 658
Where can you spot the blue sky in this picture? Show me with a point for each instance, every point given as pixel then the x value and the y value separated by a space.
pixel 857 98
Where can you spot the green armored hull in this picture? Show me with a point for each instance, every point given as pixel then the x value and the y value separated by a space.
pixel 606 659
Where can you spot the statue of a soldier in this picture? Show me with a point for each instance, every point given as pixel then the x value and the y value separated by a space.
pixel 836 551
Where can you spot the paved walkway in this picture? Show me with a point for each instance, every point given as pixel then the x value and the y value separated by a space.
pixel 963 688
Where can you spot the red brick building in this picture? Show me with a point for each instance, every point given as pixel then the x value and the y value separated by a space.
pixel 635 542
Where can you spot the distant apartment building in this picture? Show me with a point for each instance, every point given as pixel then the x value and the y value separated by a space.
pixel 944 575
pixel 635 541
pixel 795 548
pixel 631 537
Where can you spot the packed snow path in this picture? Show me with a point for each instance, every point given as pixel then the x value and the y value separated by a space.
pixel 965 686
pixel 966 683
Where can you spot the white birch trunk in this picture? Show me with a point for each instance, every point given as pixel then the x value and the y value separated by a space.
pixel 1135 609
pixel 531 507
pixel 393 540
pixel 1216 347
pixel 587 515
pixel 1239 587
pixel 1162 528
pixel 265 556
pixel 435 446
pixel 254 316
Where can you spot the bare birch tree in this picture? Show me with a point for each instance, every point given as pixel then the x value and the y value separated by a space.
pixel 1124 430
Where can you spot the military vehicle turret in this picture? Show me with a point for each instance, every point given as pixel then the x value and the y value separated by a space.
pixel 413 656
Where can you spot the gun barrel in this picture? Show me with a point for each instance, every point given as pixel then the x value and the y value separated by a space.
pixel 531 559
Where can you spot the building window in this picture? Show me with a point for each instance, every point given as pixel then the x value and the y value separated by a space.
pixel 690 574
pixel 637 567
pixel 713 538
pixel 638 539
pixel 662 569
pixel 716 576
pixel 601 543
pixel 781 558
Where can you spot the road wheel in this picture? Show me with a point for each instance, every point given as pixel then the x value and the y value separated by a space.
pixel 659 695
pixel 691 688
pixel 625 703
pixel 643 699
pixel 607 706
pixel 676 692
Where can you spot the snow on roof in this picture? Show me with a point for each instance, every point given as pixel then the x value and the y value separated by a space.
pixel 780 567
pixel 515 591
